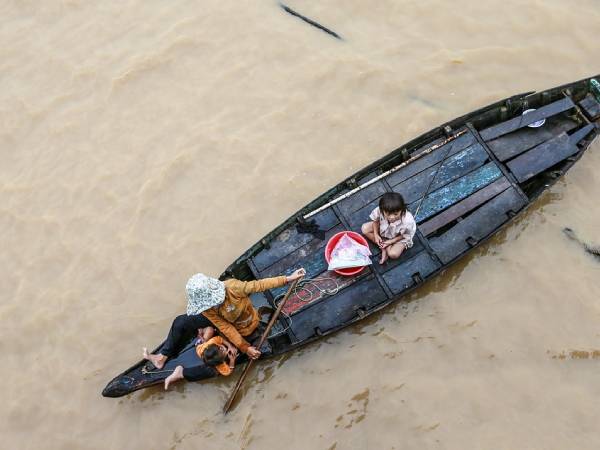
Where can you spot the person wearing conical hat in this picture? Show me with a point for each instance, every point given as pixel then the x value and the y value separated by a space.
pixel 223 304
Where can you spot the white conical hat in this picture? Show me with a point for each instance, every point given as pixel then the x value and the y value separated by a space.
pixel 203 293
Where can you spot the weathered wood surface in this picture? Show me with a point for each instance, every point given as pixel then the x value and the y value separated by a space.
pixel 513 144
pixel 453 168
pixel 259 299
pixel 400 277
pixel 456 191
pixel 590 107
pixel 580 134
pixel 417 247
pixel 314 264
pixel 295 259
pixel 477 225
pixel 541 157
pixel 339 309
pixel 359 199
pixel 311 293
pixel 357 218
pixel 434 157
pixel 290 239
pixel 465 206
pixel 521 121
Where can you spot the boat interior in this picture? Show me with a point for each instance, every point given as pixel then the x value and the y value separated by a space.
pixel 482 172
pixel 466 178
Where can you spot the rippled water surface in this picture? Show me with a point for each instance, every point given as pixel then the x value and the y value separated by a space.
pixel 143 141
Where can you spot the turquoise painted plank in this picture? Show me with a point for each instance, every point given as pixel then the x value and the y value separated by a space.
pixel 452 169
pixel 456 191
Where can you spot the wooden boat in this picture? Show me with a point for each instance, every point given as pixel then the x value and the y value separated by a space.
pixel 486 168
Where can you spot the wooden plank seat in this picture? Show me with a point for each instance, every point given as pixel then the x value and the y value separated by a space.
pixel 413 188
pixel 451 169
pixel 452 193
pixel 464 206
pixel 521 121
pixel 290 239
pixel 517 142
pixel 359 199
pixel 590 107
pixel 319 317
pixel 546 155
pixel 476 226
pixel 301 256
pixel 447 150
pixel 410 271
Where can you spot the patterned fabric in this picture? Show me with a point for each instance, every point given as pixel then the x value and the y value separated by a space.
pixel 203 293
pixel 405 227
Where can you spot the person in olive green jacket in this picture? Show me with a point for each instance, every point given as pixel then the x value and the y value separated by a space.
pixel 223 304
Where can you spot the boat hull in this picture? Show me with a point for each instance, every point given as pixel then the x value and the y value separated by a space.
pixel 468 179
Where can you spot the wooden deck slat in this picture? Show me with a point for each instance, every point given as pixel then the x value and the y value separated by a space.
pixel 290 240
pixel 361 198
pixel 413 189
pixel 293 260
pixel 337 310
pixel 314 264
pixel 400 277
pixel 456 191
pixel 477 225
pixel 521 121
pixel 513 144
pixel 417 247
pixel 580 134
pixel 460 143
pixel 454 167
pixel 591 107
pixel 541 157
pixel 465 206
pixel 357 218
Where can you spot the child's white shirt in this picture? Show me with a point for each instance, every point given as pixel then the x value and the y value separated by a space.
pixel 405 227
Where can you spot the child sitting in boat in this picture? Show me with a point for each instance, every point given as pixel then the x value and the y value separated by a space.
pixel 215 351
pixel 392 226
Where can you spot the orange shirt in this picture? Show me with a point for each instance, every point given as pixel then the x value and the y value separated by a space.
pixel 222 368
pixel 236 317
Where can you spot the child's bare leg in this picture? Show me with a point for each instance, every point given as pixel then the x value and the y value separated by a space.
pixel 368 230
pixel 396 250
pixel 175 376
pixel 208 333
pixel 384 255
pixel 158 360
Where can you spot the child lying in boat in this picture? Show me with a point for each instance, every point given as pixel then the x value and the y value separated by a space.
pixel 215 351
pixel 392 226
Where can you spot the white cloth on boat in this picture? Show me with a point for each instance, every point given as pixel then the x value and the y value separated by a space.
pixel 349 253
pixel 405 227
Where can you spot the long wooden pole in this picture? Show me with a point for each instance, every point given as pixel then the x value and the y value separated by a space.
pixel 274 317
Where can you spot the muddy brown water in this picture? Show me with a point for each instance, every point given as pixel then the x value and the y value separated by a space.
pixel 142 142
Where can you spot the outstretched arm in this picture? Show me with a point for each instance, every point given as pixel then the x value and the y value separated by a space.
pixel 250 287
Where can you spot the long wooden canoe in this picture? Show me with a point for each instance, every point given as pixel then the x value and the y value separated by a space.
pixel 486 167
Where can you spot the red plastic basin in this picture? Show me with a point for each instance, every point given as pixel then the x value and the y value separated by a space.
pixel 334 240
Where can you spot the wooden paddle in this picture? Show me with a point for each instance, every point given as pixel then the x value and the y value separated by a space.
pixel 274 317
